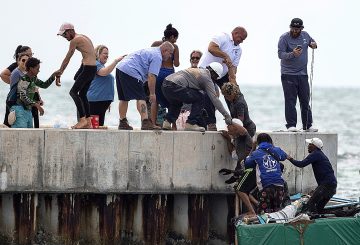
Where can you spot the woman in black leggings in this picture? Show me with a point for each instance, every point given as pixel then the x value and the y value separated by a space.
pixel 101 91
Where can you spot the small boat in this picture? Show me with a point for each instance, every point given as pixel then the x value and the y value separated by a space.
pixel 339 225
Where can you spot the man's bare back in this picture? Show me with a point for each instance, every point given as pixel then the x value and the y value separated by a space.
pixel 86 48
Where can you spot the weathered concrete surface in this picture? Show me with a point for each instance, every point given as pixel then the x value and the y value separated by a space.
pixel 126 187
pixel 51 160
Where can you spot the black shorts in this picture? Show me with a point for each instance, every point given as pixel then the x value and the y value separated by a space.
pixel 128 87
pixel 247 181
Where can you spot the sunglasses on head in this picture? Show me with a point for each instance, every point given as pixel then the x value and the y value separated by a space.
pixel 195 58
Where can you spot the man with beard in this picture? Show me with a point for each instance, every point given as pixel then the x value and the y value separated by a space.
pixel 83 76
pixel 292 51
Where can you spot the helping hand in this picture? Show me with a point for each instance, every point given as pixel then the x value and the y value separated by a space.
pixel 228 120
pixel 313 45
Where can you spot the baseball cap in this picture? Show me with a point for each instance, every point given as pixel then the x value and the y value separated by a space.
pixel 316 142
pixel 296 22
pixel 65 26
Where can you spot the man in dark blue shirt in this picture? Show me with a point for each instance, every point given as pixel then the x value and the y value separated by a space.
pixel 324 175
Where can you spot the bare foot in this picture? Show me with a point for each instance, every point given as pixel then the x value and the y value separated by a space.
pixel 88 120
pixel 82 124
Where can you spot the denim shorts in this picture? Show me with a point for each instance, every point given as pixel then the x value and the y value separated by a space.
pixel 24 117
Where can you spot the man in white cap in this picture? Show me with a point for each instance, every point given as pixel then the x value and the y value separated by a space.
pixel 84 75
pixel 324 175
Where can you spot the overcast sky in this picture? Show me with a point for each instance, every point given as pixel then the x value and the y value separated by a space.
pixel 126 26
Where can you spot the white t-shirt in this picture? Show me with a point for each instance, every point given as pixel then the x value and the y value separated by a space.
pixel 226 44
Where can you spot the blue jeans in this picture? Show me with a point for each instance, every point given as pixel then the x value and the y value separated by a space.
pixel 296 86
pixel 23 117
pixel 177 96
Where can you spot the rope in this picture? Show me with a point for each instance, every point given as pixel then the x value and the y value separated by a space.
pixel 311 77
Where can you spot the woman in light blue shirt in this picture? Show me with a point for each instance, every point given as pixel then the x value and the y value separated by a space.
pixel 101 91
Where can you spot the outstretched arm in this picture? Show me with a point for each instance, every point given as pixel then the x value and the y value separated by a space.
pixel 107 70
pixel 68 56
pixel 215 50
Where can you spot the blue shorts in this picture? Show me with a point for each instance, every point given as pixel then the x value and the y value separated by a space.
pixel 24 117
pixel 128 87
pixel 164 72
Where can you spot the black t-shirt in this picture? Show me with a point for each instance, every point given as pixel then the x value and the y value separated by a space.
pixel 12 67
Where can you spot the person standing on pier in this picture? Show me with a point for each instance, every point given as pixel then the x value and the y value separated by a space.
pixel 195 57
pixel 293 53
pixel 26 88
pixel 131 74
pixel 6 77
pixel 101 91
pixel 84 75
pixel 167 67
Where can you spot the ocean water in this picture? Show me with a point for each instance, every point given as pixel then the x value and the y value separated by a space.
pixel 334 110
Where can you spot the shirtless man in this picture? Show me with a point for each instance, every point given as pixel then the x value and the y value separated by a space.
pixel 83 76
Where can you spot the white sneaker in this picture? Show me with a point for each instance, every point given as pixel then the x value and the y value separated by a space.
pixel 311 129
pixel 166 125
pixel 292 129
pixel 193 127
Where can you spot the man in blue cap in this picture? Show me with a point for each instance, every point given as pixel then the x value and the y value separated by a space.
pixel 292 51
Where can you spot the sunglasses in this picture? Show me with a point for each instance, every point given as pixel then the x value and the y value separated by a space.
pixel 195 58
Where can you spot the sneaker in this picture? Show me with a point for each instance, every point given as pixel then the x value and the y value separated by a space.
pixel 193 127
pixel 292 129
pixel 146 124
pixel 211 127
pixel 124 124
pixel 166 125
pixel 311 129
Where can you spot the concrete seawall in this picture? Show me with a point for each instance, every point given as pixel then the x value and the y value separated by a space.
pixel 106 186
pixel 134 162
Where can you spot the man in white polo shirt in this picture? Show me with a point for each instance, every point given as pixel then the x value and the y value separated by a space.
pixel 225 49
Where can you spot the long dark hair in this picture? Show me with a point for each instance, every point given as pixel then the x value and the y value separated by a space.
pixel 170 31
pixel 20 49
